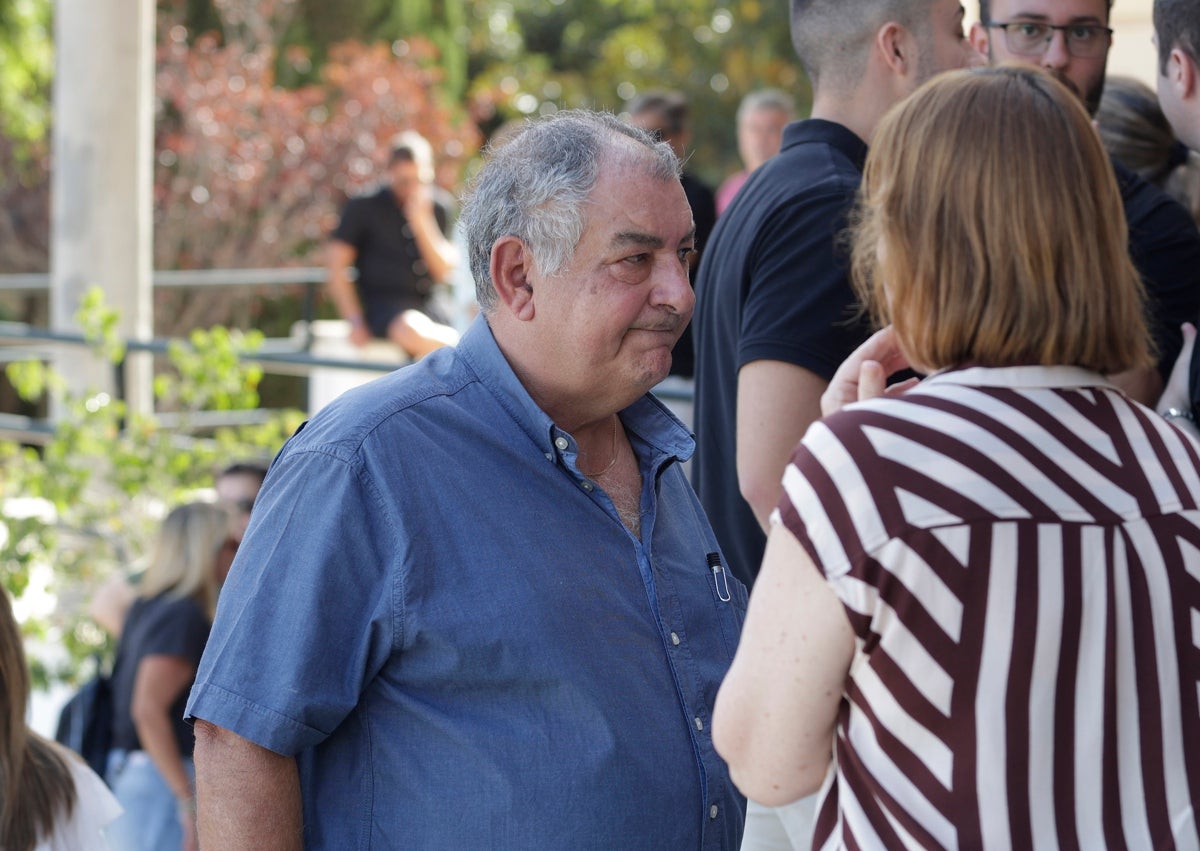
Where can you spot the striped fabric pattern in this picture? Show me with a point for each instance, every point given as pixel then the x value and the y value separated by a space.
pixel 1018 552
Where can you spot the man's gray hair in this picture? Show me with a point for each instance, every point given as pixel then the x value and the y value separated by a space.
pixel 773 99
pixel 832 37
pixel 535 185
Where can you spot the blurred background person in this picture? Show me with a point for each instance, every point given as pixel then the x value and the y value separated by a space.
pixel 761 117
pixel 150 767
pixel 666 114
pixel 49 800
pixel 236 487
pixel 974 625
pixel 398 240
pixel 1138 136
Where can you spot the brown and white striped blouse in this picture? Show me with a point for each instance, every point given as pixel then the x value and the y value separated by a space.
pixel 1018 552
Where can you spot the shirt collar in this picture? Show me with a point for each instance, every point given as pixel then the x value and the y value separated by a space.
pixel 646 418
pixel 837 136
pixel 1020 377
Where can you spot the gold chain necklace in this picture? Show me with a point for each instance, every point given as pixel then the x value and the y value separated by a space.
pixel 611 463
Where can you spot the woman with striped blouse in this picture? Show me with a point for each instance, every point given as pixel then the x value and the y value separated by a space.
pixel 978 617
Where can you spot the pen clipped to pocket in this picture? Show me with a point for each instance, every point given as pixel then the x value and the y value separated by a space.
pixel 720 576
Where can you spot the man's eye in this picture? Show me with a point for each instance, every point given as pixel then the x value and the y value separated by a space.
pixel 637 259
pixel 1030 30
pixel 685 254
pixel 1081 33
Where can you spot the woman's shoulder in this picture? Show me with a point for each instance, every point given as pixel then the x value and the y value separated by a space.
pixel 95 808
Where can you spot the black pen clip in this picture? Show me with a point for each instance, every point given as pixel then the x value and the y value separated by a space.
pixel 719 577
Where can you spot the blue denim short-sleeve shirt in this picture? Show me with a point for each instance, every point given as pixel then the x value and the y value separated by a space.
pixel 450 628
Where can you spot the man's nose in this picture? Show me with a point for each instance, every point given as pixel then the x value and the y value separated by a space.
pixel 1056 56
pixel 673 288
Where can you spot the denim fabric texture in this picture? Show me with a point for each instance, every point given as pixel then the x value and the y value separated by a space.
pixel 151 818
pixel 465 648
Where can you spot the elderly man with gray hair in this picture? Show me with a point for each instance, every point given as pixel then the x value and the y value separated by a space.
pixel 478 605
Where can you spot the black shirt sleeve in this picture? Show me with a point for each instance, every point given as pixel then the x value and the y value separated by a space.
pixel 1165 248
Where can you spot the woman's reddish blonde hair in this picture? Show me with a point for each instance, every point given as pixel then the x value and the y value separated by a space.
pixel 991 230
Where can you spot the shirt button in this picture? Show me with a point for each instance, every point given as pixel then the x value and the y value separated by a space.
pixel 699 723
pixel 549 456
pixel 675 639
pixel 587 486
pixel 712 811
pixel 561 443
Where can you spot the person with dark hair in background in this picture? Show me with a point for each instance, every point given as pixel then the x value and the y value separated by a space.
pixel 478 605
pixel 774 306
pixel 398 240
pixel 49 800
pixel 150 766
pixel 666 115
pixel 975 625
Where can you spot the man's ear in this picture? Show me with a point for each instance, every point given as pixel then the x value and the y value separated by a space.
pixel 895 48
pixel 511 266
pixel 979 38
pixel 1183 74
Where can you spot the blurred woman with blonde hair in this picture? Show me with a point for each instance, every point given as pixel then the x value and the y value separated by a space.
pixel 150 767
pixel 975 622
pixel 49 800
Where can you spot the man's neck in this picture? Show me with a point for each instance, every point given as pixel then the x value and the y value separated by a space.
pixel 850 112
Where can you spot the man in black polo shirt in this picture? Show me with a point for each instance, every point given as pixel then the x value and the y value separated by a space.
pixel 774 307
pixel 397 240
pixel 775 313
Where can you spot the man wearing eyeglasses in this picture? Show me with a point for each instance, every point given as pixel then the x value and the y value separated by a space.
pixel 1070 39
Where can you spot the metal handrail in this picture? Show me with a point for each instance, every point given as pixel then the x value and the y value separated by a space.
pixel 278 355
pixel 310 275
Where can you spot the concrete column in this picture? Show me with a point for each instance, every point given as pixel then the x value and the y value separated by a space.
pixel 103 147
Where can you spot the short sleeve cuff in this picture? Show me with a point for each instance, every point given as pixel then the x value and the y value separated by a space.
pixel 265 727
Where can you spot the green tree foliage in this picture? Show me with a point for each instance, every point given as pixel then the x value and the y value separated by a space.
pixel 26 67
pixel 535 56
pixel 86 504
pixel 517 58
pixel 526 57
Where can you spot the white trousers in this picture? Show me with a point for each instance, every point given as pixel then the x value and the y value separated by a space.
pixel 786 828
